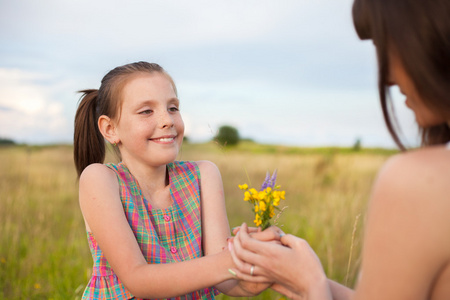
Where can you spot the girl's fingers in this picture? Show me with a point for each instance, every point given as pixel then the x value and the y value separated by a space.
pixel 236 229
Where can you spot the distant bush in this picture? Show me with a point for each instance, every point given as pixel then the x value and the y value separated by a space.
pixel 227 136
pixel 357 145
pixel 4 142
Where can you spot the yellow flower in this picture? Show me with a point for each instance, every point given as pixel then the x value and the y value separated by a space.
pixel 276 201
pixel 37 286
pixel 264 201
pixel 262 206
pixel 272 212
pixel 257 220
pixel 261 195
pixel 243 186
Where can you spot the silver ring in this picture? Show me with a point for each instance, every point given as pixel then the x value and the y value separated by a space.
pixel 252 269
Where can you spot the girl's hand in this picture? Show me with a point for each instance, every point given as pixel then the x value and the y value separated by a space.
pixel 254 288
pixel 236 229
pixel 293 265
pixel 285 291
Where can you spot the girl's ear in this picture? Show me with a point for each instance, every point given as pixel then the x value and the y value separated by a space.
pixel 108 129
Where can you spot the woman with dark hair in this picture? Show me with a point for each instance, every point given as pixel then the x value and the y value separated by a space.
pixel 406 252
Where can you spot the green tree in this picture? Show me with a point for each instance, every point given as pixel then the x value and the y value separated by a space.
pixel 5 141
pixel 357 145
pixel 227 136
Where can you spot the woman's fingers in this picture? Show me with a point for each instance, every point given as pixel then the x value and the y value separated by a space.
pixel 256 277
pixel 272 233
pixel 240 264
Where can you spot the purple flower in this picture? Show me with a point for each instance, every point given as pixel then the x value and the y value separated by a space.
pixel 269 181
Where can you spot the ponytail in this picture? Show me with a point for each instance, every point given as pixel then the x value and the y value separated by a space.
pixel 89 145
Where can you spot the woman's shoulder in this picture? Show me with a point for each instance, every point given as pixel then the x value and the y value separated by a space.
pixel 416 182
pixel 425 166
pixel 408 226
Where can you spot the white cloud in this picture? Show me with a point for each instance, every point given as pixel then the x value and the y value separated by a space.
pixel 158 23
pixel 27 112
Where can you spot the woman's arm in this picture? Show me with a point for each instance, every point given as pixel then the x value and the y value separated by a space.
pixel 215 228
pixel 103 212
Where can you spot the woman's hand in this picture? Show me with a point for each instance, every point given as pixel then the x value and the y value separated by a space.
pixel 271 234
pixel 293 265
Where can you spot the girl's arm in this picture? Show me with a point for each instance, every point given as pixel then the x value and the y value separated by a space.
pixel 104 215
pixel 215 228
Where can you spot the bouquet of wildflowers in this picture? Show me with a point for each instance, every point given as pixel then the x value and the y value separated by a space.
pixel 265 201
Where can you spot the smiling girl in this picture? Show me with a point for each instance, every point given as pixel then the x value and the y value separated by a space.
pixel 157 228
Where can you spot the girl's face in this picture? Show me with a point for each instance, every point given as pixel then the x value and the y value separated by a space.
pixel 150 127
pixel 425 117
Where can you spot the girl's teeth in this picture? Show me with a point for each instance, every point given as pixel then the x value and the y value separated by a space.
pixel 165 139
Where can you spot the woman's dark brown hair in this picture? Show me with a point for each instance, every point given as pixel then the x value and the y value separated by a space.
pixel 419 31
pixel 89 144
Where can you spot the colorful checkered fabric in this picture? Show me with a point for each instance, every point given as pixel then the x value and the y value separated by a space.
pixel 164 235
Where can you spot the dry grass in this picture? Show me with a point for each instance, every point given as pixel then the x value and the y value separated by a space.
pixel 43 248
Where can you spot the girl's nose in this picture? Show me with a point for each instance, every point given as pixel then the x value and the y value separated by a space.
pixel 166 120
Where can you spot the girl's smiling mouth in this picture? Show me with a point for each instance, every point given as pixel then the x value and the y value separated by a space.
pixel 164 139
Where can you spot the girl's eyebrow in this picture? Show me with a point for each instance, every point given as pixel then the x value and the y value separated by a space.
pixel 174 100
pixel 151 101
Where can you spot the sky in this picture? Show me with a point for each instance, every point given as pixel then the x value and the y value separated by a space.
pixel 290 72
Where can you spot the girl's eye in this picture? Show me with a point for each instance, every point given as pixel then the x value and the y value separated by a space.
pixel 146 112
pixel 173 109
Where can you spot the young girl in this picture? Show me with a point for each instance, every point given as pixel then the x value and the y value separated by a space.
pixel 406 253
pixel 157 228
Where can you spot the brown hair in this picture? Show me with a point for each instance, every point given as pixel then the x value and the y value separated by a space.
pixel 89 144
pixel 420 32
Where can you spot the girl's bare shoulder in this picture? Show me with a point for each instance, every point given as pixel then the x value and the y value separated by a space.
pixel 95 174
pixel 208 169
pixel 97 179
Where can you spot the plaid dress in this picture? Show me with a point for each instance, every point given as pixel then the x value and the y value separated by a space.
pixel 165 235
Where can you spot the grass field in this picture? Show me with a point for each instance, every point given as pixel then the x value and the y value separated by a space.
pixel 43 248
